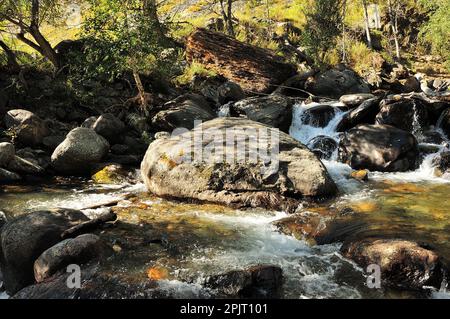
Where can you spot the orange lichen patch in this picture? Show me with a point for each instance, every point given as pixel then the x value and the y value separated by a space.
pixel 365 207
pixel 404 188
pixel 361 175
pixel 168 161
pixel 157 273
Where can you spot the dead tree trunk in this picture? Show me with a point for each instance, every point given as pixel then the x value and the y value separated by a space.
pixel 256 70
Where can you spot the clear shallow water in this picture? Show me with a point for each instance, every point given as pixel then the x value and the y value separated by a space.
pixel 202 240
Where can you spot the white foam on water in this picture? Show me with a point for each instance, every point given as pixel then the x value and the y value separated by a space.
pixel 182 290
pixel 301 128
pixel 261 243
pixel 425 173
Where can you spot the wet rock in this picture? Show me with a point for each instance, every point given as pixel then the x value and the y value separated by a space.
pixel 379 148
pixel 435 110
pixel 7 152
pixel 52 142
pixel 257 281
pixel 363 114
pixel 335 83
pixel 79 250
pixel 26 237
pixel 23 166
pixel 111 174
pixel 82 148
pixel 319 116
pixel 361 175
pixel 256 70
pixel 3 221
pixel 7 176
pixel 408 115
pixel 28 127
pixel 323 146
pixel 442 163
pixel 136 145
pixel 126 160
pixel 404 264
pixel 110 127
pixel 119 149
pixel 432 137
pixel 89 122
pixel 238 181
pixel 182 113
pixel 219 90
pixel 274 110
pixel 411 84
pixel 353 100
pixel 444 122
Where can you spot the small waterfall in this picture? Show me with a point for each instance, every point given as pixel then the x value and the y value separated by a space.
pixel 303 128
pixel 224 110
pixel 416 127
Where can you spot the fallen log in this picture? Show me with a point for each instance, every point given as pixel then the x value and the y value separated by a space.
pixel 255 69
pixel 89 225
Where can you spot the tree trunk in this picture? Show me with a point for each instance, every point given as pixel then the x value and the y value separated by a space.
pixel 141 90
pixel 393 21
pixel 151 11
pixel 12 60
pixel 46 48
pixel 228 16
pixel 366 20
pixel 256 70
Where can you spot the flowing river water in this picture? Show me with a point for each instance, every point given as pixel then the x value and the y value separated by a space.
pixel 201 240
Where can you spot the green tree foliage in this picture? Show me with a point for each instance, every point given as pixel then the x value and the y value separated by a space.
pixel 323 27
pixel 437 31
pixel 27 17
pixel 124 36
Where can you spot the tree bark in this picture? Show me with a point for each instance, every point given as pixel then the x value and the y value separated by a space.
pixel 366 20
pixel 227 14
pixel 46 48
pixel 256 70
pixel 12 60
pixel 393 21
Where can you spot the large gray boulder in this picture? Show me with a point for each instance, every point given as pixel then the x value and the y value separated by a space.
pixel 182 113
pixel 7 176
pixel 406 114
pixel 274 110
pixel 363 114
pixel 28 127
pixel 335 83
pixel 379 148
pixel 240 178
pixel 82 148
pixel 403 264
pixel 110 127
pixel 23 166
pixel 444 122
pixel 79 250
pixel 7 152
pixel 25 238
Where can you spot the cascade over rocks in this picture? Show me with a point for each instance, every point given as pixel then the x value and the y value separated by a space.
pixel 168 171
pixel 404 114
pixel 379 148
pixel 256 70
